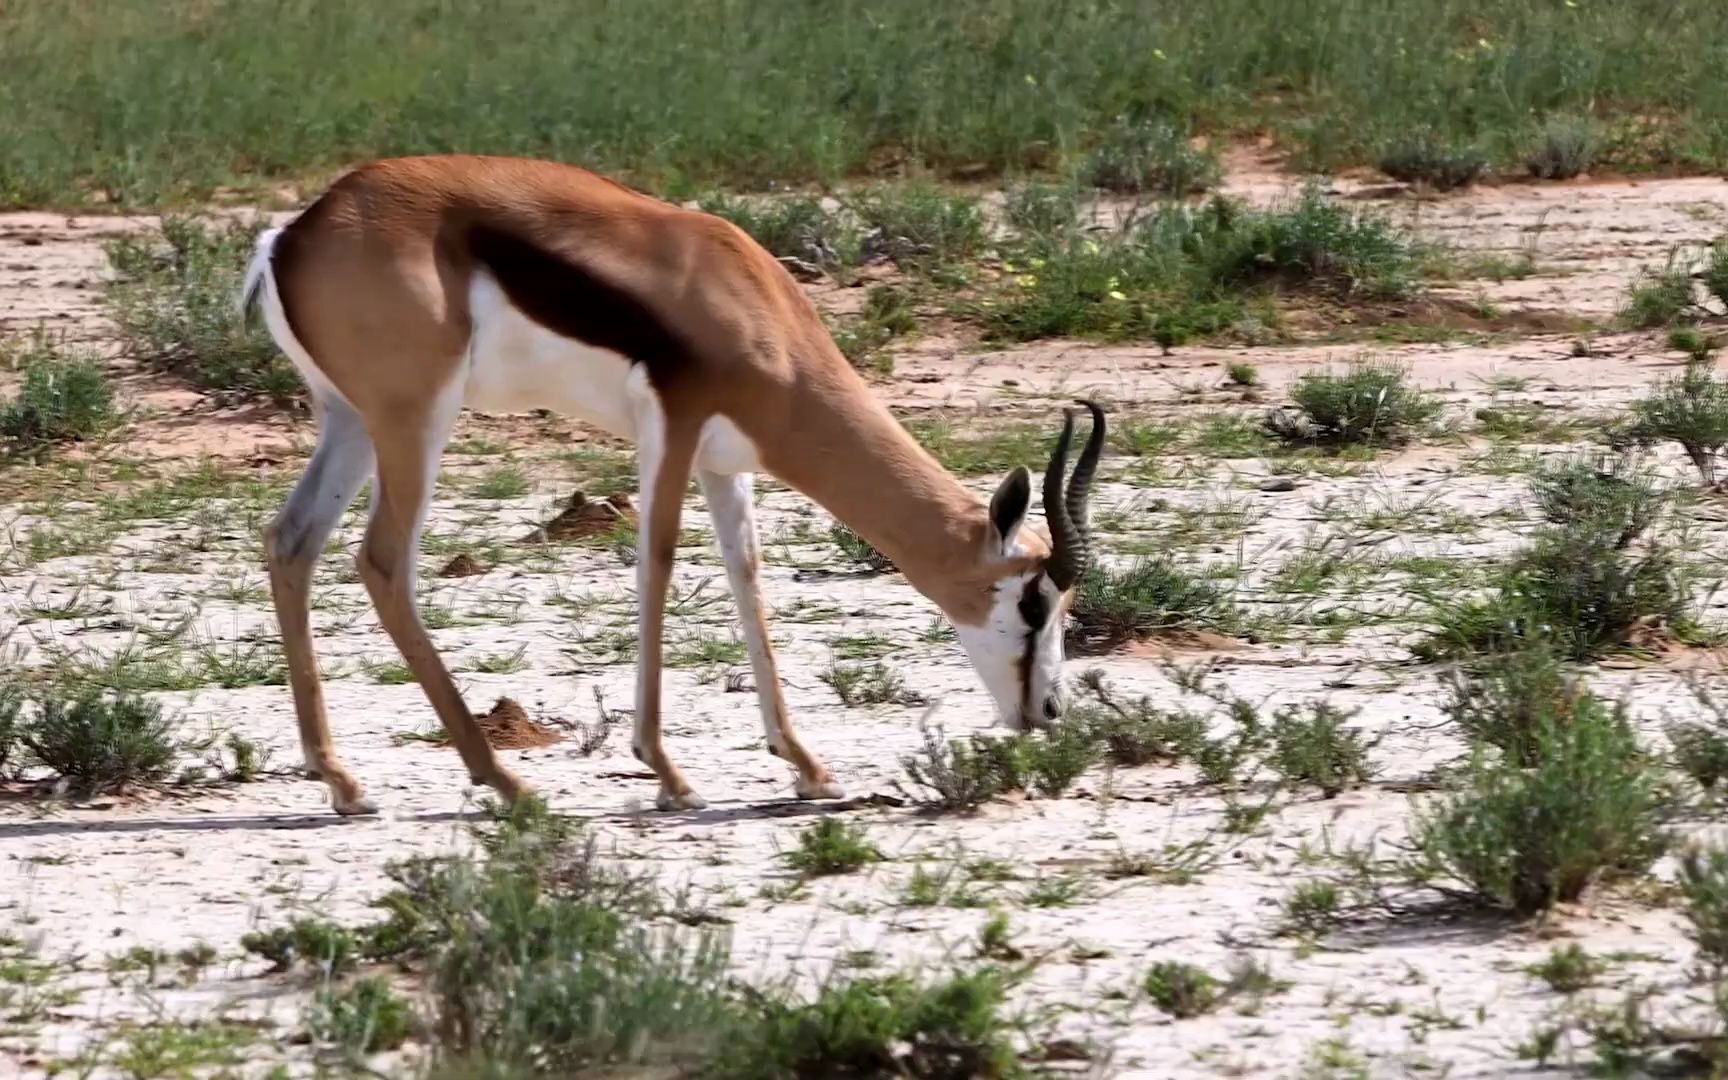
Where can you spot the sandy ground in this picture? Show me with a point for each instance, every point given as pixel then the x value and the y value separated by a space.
pixel 1417 995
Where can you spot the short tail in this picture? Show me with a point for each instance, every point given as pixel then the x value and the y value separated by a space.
pixel 257 273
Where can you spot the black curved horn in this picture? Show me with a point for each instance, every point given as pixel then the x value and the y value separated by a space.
pixel 1080 487
pixel 1065 539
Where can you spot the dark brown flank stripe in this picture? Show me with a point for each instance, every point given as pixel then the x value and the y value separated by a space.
pixel 1035 610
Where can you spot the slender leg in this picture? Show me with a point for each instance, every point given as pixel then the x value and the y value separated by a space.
pixel 664 454
pixel 729 504
pixel 407 469
pixel 340 465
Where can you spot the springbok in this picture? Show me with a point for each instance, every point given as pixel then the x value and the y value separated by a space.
pixel 414 287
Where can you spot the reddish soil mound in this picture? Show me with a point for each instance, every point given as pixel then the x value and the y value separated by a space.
pixel 509 727
pixel 584 518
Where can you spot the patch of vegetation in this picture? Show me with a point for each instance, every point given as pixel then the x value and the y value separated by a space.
pixel 1703 884
pixel 1691 410
pixel 64 396
pixel 364 1017
pixel 857 550
pixel 1425 157
pixel 1184 990
pixel 1660 296
pixel 1368 404
pixel 1152 594
pixel 964 774
pixel 1510 700
pixel 874 683
pixel 100 743
pixel 1583 584
pixel 887 315
pixel 832 846
pixel 1310 744
pixel 1149 156
pixel 1041 209
pixel 1137 732
pixel 1566 146
pixel 1178 273
pixel 1568 968
pixel 1701 746
pixel 1591 807
pixel 174 303
pixel 919 223
pixel 1613 498
pixel 796 227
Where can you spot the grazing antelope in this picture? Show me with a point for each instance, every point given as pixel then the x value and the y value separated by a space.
pixel 417 286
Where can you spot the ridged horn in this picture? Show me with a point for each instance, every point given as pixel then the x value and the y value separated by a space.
pixel 1066 510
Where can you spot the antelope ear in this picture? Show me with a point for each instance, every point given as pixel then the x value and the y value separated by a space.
pixel 1009 505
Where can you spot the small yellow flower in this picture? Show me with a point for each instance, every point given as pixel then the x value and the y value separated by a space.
pixel 1158 54
pixel 1091 247
pixel 1482 43
pixel 1037 264
pixel 1116 294
pixel 1027 281
pixel 1031 79
pixel 1008 267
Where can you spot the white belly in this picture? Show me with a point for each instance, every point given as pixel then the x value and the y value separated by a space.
pixel 517 365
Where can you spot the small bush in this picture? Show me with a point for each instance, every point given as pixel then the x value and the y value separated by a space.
pixel 64 397
pixel 799 227
pixel 874 683
pixel 1425 158
pixel 887 315
pixel 1619 502
pixel 1714 272
pixel 1573 588
pixel 1659 297
pixel 1312 906
pixel 888 1027
pixel 1243 374
pixel 1183 990
pixel 12 700
pixel 1150 156
pixel 920 223
pixel 965 774
pixel 1565 147
pixel 1510 700
pixel 102 743
pixel 364 1017
pixel 1704 893
pixel 321 946
pixel 1134 733
pixel 858 550
pixel 1691 410
pixel 174 302
pixel 1313 243
pixel 1368 404
pixel 1042 210
pixel 831 846
pixel 1151 594
pixel 1701 746
pixel 1697 345
pixel 1568 969
pixel 1591 808
pixel 1310 744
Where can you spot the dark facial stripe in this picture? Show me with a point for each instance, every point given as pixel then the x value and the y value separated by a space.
pixel 1035 610
pixel 569 300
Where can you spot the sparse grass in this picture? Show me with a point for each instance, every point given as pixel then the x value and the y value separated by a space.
pixel 1041 209
pixel 1510 700
pixel 505 481
pixel 64 396
pixel 1613 498
pixel 1137 732
pixel 1243 374
pixel 1183 990
pixel 1368 404
pixel 1149 156
pixel 176 1049
pixel 1152 594
pixel 1312 906
pixel 887 315
pixel 1701 745
pixel 174 302
pixel 1591 808
pixel 832 846
pixel 1714 271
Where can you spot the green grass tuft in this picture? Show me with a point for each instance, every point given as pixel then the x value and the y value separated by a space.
pixel 64 396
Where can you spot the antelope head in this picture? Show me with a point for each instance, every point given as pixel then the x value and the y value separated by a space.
pixel 1017 648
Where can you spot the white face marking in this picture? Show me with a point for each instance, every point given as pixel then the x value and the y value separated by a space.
pixel 1021 668
pixel 517 365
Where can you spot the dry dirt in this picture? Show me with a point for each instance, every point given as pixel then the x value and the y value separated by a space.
pixel 1415 995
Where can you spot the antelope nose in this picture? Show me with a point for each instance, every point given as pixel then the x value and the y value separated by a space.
pixel 1052 707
